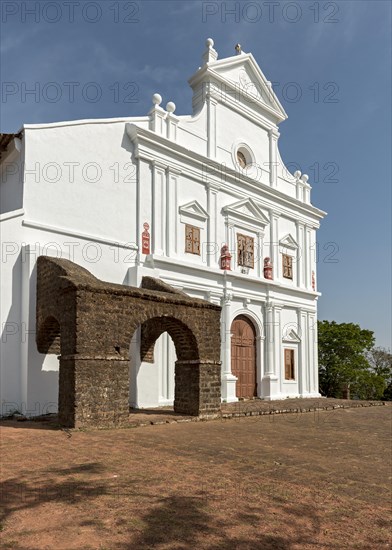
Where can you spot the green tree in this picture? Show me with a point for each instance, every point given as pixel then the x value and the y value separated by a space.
pixel 342 360
pixel 380 361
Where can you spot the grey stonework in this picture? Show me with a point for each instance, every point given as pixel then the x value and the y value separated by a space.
pixel 90 323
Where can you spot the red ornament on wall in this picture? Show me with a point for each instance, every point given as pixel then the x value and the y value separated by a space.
pixel 225 259
pixel 146 239
pixel 268 268
pixel 313 281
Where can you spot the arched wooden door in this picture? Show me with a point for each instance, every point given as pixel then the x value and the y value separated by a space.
pixel 243 356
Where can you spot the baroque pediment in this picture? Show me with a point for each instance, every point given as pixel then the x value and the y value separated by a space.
pixel 242 74
pixel 288 242
pixel 291 336
pixel 246 210
pixel 193 210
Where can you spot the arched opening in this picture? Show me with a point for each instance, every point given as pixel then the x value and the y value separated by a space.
pixel 159 349
pixel 243 356
pixel 152 373
pixel 183 338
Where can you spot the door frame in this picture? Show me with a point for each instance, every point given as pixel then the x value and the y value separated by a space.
pixel 254 321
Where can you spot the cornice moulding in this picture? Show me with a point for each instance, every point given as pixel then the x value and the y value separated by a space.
pixel 149 139
pixel 245 59
pixel 83 236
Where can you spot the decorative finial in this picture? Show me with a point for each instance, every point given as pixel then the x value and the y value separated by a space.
pixel 305 178
pixel 237 48
pixel 170 107
pixel 297 174
pixel 157 99
pixel 210 54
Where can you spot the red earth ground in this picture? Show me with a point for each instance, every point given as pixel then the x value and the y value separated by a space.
pixel 315 480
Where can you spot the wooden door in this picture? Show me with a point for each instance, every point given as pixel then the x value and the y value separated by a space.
pixel 289 364
pixel 243 356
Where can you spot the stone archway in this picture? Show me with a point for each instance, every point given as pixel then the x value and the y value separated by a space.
pixel 97 321
pixel 243 356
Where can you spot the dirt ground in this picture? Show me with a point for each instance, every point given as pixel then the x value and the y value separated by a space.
pixel 317 480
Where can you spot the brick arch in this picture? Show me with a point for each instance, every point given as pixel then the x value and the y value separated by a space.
pixel 97 321
pixel 184 340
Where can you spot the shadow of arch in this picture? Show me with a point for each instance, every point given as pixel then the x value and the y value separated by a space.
pixel 48 336
pixel 183 338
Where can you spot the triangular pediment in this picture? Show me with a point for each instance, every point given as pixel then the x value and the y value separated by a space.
pixel 248 211
pixel 194 210
pixel 291 336
pixel 244 76
pixel 288 242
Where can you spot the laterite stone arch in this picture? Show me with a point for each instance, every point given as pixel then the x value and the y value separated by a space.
pixel 89 323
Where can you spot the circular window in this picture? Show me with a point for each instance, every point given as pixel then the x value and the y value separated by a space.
pixel 241 159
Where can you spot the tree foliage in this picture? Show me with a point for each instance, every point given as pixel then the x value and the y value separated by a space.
pixel 380 361
pixel 348 359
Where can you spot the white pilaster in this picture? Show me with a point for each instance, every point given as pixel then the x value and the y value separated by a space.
pixel 270 379
pixel 269 330
pixel 158 242
pixel 230 240
pixel 307 190
pixel 278 345
pixel 273 136
pixel 259 254
pixel 212 247
pixel 157 122
pixel 157 116
pixel 171 232
pixel 171 126
pixel 228 379
pixel 300 254
pixel 211 125
pixel 274 245
pixel 260 364
pixel 307 262
pixel 303 375
pixel 313 355
pixel 144 200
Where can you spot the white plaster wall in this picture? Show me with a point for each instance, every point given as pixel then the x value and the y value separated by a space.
pixel 192 131
pixel 189 189
pixel 61 166
pixel 289 321
pixel 286 226
pixel 11 183
pixel 245 131
pixel 12 332
pixel 152 384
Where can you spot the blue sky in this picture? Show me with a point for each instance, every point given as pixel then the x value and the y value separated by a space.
pixel 330 62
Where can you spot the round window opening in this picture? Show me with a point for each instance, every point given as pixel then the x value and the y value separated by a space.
pixel 241 159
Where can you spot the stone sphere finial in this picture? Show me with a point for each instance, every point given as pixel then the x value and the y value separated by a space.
pixel 209 43
pixel 305 178
pixel 157 99
pixel 297 174
pixel 170 107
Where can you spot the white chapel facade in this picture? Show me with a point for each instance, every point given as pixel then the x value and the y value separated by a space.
pixel 203 202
